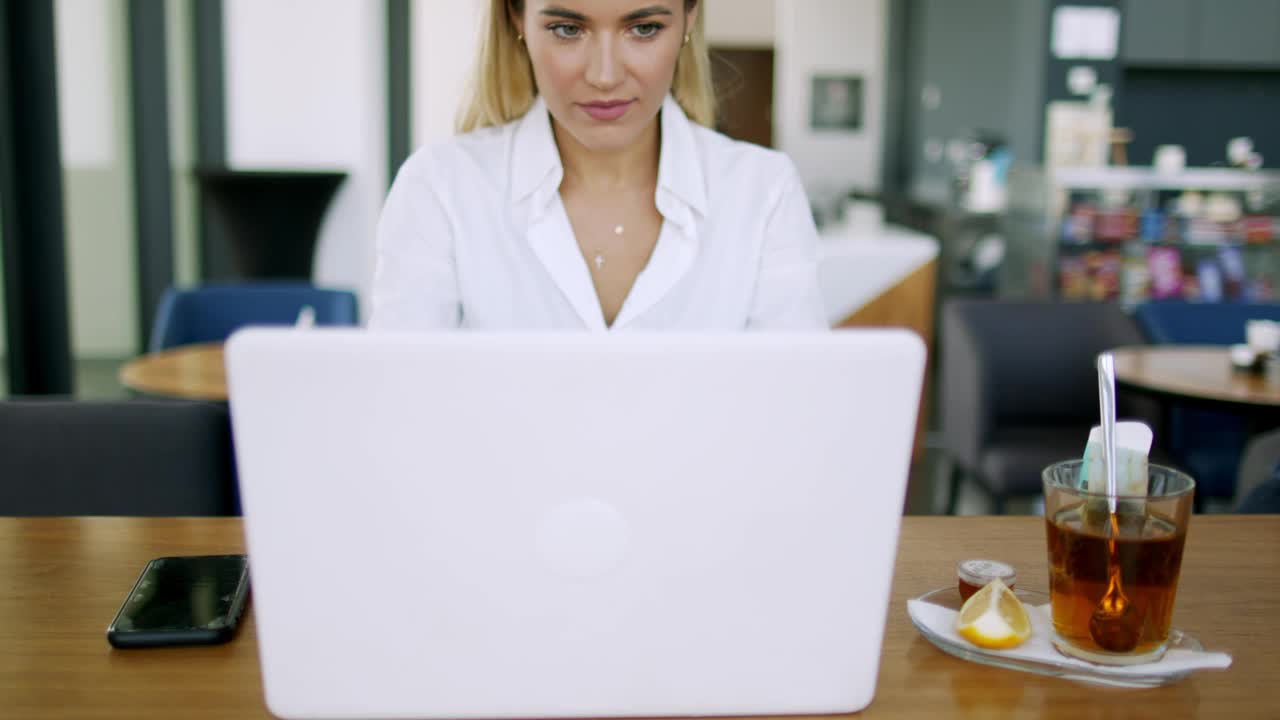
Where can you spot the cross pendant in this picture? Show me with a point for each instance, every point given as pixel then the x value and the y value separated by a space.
pixel 599 260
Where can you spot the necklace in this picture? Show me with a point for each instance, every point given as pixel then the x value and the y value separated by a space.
pixel 598 260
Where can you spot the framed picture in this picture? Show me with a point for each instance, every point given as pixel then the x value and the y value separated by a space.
pixel 836 102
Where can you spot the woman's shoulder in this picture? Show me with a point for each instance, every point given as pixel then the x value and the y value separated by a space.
pixel 476 155
pixel 724 157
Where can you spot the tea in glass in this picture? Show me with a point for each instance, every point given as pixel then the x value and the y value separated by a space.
pixel 1139 550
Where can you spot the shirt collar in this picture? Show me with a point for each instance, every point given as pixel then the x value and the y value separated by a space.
pixel 537 170
pixel 535 161
pixel 679 167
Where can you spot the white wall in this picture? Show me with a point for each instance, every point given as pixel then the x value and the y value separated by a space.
pixel 86 81
pixel 98 187
pixel 830 37
pixel 442 55
pixel 740 23
pixel 306 90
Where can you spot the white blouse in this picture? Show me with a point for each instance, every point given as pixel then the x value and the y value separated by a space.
pixel 474 235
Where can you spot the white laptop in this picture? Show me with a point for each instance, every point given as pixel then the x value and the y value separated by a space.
pixel 464 525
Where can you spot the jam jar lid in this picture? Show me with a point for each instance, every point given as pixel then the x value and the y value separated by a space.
pixel 980 572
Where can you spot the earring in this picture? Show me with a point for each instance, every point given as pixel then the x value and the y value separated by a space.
pixel 686 38
pixel 520 38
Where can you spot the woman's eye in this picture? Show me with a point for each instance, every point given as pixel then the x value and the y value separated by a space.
pixel 646 30
pixel 566 32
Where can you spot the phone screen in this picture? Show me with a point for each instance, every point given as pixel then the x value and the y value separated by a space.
pixel 186 593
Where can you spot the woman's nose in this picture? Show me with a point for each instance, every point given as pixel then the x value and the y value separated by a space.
pixel 604 66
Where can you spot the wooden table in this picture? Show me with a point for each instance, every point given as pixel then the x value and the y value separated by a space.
pixel 193 372
pixel 64 578
pixel 1198 373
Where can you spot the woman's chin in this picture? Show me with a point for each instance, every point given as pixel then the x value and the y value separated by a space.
pixel 607 138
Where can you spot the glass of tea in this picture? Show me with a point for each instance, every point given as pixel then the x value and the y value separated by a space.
pixel 1113 579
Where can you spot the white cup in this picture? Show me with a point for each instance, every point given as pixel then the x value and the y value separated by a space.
pixel 1263 336
pixel 1238 151
pixel 1170 159
pixel 863 216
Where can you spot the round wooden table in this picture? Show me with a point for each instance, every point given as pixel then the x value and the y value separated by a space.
pixel 1199 373
pixel 193 372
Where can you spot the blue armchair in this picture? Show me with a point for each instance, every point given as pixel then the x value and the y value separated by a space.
pixel 1209 444
pixel 212 312
pixel 1186 323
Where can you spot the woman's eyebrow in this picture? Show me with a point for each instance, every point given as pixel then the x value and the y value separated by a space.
pixel 646 13
pixel 564 13
pixel 632 16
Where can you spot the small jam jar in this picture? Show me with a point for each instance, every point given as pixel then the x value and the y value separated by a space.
pixel 973 574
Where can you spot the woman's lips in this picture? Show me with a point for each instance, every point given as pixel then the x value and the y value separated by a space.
pixel 607 111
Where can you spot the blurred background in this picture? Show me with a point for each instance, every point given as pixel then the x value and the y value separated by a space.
pixel 1114 151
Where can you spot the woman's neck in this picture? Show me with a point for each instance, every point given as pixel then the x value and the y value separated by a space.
pixel 635 166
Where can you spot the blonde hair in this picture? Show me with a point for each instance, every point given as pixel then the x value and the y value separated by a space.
pixel 503 88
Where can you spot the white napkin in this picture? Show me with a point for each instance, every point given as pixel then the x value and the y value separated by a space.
pixel 1038 647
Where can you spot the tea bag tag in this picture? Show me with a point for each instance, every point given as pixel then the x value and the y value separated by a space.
pixel 1133 445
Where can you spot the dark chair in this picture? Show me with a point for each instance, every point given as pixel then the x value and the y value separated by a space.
pixel 1208 443
pixel 65 457
pixel 1258 483
pixel 1020 390
pixel 211 313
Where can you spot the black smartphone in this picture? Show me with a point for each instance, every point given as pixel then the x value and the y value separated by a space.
pixel 183 601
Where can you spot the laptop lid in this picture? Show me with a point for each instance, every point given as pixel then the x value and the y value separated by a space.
pixel 467 525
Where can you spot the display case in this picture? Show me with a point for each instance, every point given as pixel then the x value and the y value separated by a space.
pixel 1134 234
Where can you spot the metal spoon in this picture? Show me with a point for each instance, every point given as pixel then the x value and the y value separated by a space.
pixel 1114 625
pixel 1107 408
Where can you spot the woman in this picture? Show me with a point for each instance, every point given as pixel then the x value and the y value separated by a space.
pixel 587 191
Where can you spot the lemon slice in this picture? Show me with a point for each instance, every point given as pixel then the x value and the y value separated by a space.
pixel 994 618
